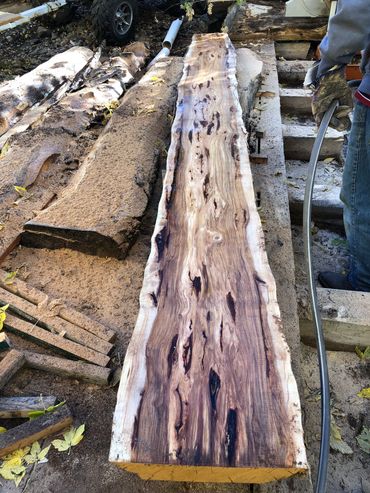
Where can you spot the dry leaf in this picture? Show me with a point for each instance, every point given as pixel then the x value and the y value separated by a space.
pixel 20 190
pixel 363 440
pixel 336 442
pixel 72 437
pixel 3 310
pixel 365 393
pixel 10 276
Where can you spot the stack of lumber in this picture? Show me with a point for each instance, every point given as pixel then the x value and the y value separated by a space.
pixel 207 392
pixel 51 137
pixel 253 22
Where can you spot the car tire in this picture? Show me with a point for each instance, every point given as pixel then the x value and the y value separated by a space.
pixel 114 20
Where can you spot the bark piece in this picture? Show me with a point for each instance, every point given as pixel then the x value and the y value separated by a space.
pixel 20 407
pixel 208 318
pixel 36 429
pixel 249 78
pixel 34 295
pixel 57 342
pixel 67 368
pixel 9 365
pixel 251 22
pixel 18 95
pixel 38 157
pixel 43 316
pixel 101 212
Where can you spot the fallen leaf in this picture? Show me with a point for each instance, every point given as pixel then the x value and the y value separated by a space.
pixel 363 440
pixel 20 190
pixel 210 8
pixel 363 355
pixel 40 412
pixel 364 393
pixel 36 454
pixel 72 437
pixel 329 159
pixel 10 276
pixel 336 441
pixel 2 429
pixel 4 150
pixel 3 310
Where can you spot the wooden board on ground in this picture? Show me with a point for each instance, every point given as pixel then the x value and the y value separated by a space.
pixel 34 295
pixel 207 353
pixel 20 407
pixel 36 429
pixel 78 370
pixel 251 22
pixel 101 212
pixel 9 365
pixel 346 320
pixel 42 157
pixel 57 342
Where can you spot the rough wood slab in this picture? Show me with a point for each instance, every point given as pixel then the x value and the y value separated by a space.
pixel 43 316
pixel 293 72
pixel 251 22
pixel 292 50
pixel 327 207
pixel 34 295
pixel 296 101
pixel 38 158
pixel 211 358
pixel 270 184
pixel 20 407
pixel 17 95
pixel 57 342
pixel 9 365
pixel 101 212
pixel 29 432
pixel 299 139
pixel 346 320
pixel 67 368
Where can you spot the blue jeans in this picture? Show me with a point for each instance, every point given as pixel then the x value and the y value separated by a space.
pixel 355 195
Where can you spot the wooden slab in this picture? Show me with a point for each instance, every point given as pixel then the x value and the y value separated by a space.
pixel 299 139
pixel 101 212
pixel 43 316
pixel 296 101
pixel 255 22
pixel 78 370
pixel 293 72
pixel 20 407
pixel 34 295
pixel 58 342
pixel 29 432
pixel 207 392
pixel 9 365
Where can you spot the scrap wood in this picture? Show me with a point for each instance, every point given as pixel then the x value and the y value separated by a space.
pixel 4 342
pixel 34 295
pixel 18 95
pixel 9 365
pixel 41 427
pixel 79 370
pixel 102 209
pixel 35 157
pixel 44 317
pixel 208 318
pixel 57 342
pixel 20 407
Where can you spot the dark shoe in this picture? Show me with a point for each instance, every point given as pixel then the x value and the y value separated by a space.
pixel 334 280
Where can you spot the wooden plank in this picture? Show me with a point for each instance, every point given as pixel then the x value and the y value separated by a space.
pixel 67 368
pixel 34 295
pixel 36 429
pixel 346 320
pixel 44 316
pixel 9 365
pixel 292 50
pixel 251 22
pixel 296 101
pixel 293 72
pixel 17 95
pixel 299 139
pixel 101 212
pixel 190 352
pixel 20 407
pixel 44 337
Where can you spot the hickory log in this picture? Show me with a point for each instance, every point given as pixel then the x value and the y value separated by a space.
pixel 207 392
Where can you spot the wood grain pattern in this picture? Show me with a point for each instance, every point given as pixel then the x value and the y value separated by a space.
pixel 207 383
pixel 9 365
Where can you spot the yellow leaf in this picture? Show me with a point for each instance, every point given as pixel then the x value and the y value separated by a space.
pixel 2 429
pixel 365 393
pixel 210 8
pixel 10 276
pixel 3 315
pixel 4 149
pixel 78 435
pixel 2 226
pixel 72 437
pixel 20 190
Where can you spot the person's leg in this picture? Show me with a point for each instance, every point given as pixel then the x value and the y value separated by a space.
pixel 355 195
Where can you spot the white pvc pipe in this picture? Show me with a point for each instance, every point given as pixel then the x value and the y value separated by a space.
pixel 172 33
pixel 27 15
pixel 168 41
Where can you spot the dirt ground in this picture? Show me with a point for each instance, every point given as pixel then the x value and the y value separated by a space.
pixel 107 290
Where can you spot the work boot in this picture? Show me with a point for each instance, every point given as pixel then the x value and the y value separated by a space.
pixel 334 280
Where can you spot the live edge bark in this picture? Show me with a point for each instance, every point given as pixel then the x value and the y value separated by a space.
pixel 207 392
